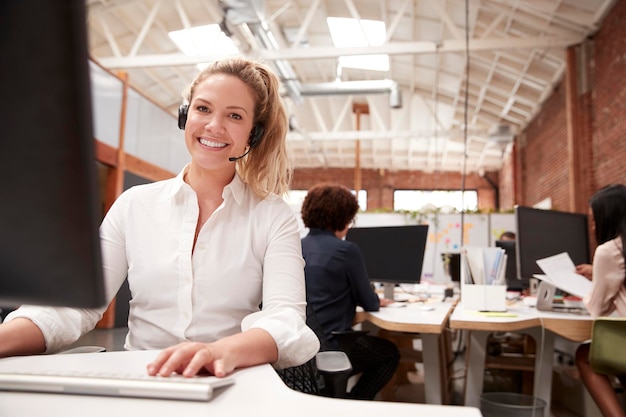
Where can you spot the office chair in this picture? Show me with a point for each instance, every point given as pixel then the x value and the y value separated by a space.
pixel 606 354
pixel 328 372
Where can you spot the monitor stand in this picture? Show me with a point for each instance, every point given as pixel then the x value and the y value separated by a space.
pixel 388 290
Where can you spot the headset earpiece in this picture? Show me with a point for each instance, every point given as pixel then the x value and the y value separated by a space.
pixel 256 135
pixel 182 116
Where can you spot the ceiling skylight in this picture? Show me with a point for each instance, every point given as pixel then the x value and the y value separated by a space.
pixel 352 33
pixel 208 40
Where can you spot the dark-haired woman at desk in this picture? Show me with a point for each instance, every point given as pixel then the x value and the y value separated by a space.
pixel 608 286
pixel 204 250
pixel 337 281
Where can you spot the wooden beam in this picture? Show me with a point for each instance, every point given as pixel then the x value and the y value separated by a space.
pixel 358 109
pixel 115 186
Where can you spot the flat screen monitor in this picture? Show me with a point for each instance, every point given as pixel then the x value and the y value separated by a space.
pixel 49 209
pixel 452 265
pixel 543 233
pixel 513 282
pixel 393 254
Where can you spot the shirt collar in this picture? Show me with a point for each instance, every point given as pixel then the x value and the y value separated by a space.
pixel 315 231
pixel 176 184
pixel 236 187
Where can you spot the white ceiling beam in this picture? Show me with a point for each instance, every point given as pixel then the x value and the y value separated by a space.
pixel 182 14
pixel 493 25
pixel 391 29
pixel 304 25
pixel 144 29
pixel 378 134
pixel 106 32
pixel 345 110
pixel 375 115
pixel 319 119
pixel 445 17
pixel 397 48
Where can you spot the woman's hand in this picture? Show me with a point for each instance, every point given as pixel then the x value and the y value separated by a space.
pixel 585 270
pixel 191 358
pixel 220 358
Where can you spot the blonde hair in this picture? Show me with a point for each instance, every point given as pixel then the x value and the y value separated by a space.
pixel 267 168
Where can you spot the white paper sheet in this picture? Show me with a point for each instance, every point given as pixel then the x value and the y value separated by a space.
pixel 561 272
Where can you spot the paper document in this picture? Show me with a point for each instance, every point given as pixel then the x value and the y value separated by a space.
pixel 484 265
pixel 561 272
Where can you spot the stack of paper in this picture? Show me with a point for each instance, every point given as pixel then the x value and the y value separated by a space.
pixel 484 265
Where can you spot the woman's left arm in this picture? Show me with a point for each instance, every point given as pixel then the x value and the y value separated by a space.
pixel 608 278
pixel 284 293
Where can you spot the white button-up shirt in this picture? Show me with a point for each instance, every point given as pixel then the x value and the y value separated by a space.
pixel 248 253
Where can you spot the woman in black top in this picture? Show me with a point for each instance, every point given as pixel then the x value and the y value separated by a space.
pixel 337 281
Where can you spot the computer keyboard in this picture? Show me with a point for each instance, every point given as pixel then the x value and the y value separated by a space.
pixel 175 387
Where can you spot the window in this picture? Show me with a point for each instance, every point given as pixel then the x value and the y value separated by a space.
pixel 453 200
pixel 347 33
pixel 296 197
pixel 207 40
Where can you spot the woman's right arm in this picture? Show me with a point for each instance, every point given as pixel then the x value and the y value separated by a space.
pixel 37 329
pixel 20 337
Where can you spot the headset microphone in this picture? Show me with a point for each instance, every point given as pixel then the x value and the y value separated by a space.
pixel 235 158
pixel 253 142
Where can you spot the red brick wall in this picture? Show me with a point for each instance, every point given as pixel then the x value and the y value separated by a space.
pixel 609 99
pixel 543 157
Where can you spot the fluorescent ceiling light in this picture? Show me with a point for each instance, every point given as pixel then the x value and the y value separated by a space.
pixel 208 40
pixel 347 33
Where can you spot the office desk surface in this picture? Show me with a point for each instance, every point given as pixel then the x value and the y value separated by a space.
pixel 258 392
pixel 518 318
pixel 429 324
pixel 572 326
pixel 411 318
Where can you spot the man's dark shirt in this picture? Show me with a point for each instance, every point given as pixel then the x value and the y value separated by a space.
pixel 336 281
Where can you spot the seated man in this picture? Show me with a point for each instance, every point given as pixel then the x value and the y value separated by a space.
pixel 337 281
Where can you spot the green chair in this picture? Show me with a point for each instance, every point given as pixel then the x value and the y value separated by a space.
pixel 606 354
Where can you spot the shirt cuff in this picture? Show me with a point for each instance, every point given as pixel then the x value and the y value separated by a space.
pixel 295 341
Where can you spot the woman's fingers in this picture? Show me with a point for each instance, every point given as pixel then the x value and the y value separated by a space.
pixel 185 358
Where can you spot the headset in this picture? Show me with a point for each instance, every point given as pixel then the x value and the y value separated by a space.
pixel 255 135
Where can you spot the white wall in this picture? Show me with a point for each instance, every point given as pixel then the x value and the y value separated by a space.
pixel 150 132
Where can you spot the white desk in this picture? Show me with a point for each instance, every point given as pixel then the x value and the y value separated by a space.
pixel 430 325
pixel 541 325
pixel 258 392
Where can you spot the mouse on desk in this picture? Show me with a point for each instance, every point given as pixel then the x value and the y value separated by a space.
pixel 426 307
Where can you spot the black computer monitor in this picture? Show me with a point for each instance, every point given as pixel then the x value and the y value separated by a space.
pixel 513 282
pixel 543 233
pixel 393 254
pixel 49 205
pixel 452 265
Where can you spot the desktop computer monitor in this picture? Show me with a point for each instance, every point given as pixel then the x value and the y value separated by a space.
pixel 393 254
pixel 49 209
pixel 513 282
pixel 543 233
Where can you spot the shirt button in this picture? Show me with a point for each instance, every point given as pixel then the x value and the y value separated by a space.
pixel 186 315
